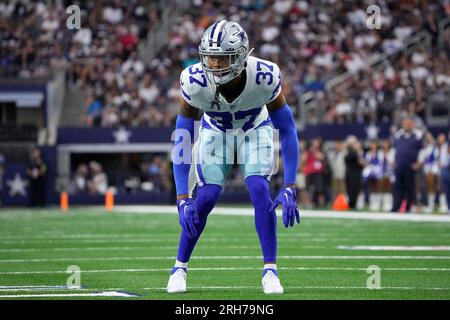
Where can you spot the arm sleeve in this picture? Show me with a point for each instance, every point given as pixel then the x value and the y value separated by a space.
pixel 283 120
pixel 181 167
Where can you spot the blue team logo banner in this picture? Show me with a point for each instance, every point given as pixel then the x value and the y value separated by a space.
pixel 121 135
pixel 15 187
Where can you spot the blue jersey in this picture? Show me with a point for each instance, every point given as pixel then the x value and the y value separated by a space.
pixel 407 146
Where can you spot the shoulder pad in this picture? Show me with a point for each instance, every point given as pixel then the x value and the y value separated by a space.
pixel 268 77
pixel 192 80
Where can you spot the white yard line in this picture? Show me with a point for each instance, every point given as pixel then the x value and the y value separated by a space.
pixel 134 258
pixel 396 248
pixel 50 295
pixel 148 235
pixel 113 292
pixel 218 269
pixel 173 239
pixel 303 213
pixel 301 287
pixel 87 249
pixel 239 211
pixel 138 248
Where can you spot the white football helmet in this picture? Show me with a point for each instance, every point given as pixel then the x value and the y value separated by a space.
pixel 225 39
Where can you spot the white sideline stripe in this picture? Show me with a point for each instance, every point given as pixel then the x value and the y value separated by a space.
pixel 244 288
pixel 86 249
pixel 174 247
pixel 303 213
pixel 303 235
pixel 175 240
pixel 113 248
pixel 49 295
pixel 220 269
pixel 231 258
pixel 396 248
pixel 32 290
pixel 305 287
pixel 63 236
pixel 36 288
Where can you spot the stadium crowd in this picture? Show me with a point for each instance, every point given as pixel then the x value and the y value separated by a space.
pixel 312 41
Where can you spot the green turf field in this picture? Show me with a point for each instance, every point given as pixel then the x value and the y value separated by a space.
pixel 133 253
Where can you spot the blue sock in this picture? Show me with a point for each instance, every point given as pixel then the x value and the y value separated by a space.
pixel 205 200
pixel 265 221
pixel 273 270
pixel 174 269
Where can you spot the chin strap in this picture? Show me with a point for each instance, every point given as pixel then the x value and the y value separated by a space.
pixel 248 54
pixel 216 100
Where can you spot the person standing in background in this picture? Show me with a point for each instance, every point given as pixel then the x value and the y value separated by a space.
pixel 36 171
pixel 314 172
pixel 372 174
pixel 429 157
pixel 407 144
pixel 300 182
pixel 388 175
pixel 441 142
pixel 337 164
pixel 444 163
pixel 354 165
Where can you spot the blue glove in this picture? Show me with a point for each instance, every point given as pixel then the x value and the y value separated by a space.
pixel 188 216
pixel 288 200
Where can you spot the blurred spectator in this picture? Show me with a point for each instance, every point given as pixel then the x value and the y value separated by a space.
pixel 300 180
pixel 79 183
pixel 337 163
pixel 429 160
pixel 2 172
pixel 372 175
pixel 407 144
pixel 92 110
pixel 441 143
pixel 36 171
pixel 98 183
pixel 354 165
pixel 314 171
pixel 444 163
pixel 388 154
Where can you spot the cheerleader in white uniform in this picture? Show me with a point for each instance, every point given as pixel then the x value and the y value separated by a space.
pixel 372 174
pixel 388 160
pixel 429 157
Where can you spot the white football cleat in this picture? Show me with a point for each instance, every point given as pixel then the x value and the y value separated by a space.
pixel 177 281
pixel 271 284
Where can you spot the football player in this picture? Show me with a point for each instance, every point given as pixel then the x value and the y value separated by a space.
pixel 240 95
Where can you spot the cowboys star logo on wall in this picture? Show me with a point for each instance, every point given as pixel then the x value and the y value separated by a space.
pixel 372 132
pixel 122 135
pixel 17 186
